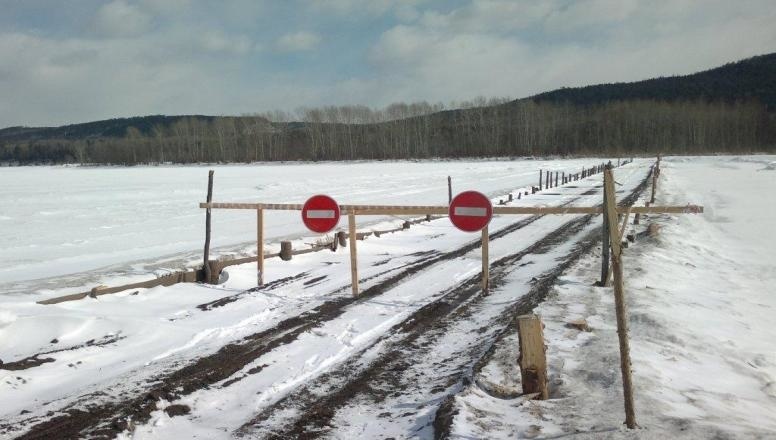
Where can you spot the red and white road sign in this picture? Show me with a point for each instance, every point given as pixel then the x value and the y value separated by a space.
pixel 320 213
pixel 470 211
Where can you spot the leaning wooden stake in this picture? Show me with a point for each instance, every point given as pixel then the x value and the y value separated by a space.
pixel 532 360
pixel 353 255
pixel 449 190
pixel 260 245
pixel 206 257
pixel 619 301
pixel 485 263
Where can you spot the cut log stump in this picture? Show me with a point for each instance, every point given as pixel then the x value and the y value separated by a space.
pixel 532 361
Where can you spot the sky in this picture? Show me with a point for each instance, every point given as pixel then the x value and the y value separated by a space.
pixel 70 61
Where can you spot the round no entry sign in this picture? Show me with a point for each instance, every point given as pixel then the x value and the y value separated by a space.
pixel 320 213
pixel 470 211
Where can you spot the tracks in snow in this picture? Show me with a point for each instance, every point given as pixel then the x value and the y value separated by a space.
pixel 233 362
pixel 106 419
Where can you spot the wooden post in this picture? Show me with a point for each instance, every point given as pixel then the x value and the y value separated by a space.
pixel 619 301
pixel 540 180
pixel 353 255
pixel 485 263
pixel 260 245
pixel 286 251
pixel 563 178
pixel 449 190
pixel 556 178
pixel 342 238
pixel 532 360
pixel 206 257
pixel 605 248
pixel 655 172
pixel 624 223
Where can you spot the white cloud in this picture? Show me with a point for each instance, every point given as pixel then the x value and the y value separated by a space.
pixel 217 41
pixel 195 57
pixel 489 47
pixel 121 19
pixel 297 42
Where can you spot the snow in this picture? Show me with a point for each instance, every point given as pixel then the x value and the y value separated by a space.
pixel 106 225
pixel 700 300
pixel 701 307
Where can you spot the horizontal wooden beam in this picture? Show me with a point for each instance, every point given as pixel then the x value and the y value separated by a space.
pixel 442 210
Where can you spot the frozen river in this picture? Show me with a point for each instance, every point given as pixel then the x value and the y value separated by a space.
pixel 73 225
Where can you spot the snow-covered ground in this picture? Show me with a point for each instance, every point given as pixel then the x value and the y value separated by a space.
pixel 157 329
pixel 76 226
pixel 701 298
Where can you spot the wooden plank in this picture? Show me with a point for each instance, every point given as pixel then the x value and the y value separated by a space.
pixel 620 305
pixel 532 360
pixel 443 210
pixel 353 254
pixel 485 260
pixel 260 245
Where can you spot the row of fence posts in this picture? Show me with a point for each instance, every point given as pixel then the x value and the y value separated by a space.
pixel 550 179
pixel 532 359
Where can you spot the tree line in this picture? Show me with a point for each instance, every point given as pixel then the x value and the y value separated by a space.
pixel 495 127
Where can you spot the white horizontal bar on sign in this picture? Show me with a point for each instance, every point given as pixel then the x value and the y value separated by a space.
pixel 320 213
pixel 470 211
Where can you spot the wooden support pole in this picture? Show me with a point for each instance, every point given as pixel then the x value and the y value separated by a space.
pixel 654 183
pixel 449 190
pixel 206 255
pixel 540 180
pixel 260 246
pixel 556 178
pixel 605 247
pixel 620 306
pixel 485 262
pixel 532 360
pixel 353 254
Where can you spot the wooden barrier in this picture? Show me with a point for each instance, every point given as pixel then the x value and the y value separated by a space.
pixel 209 275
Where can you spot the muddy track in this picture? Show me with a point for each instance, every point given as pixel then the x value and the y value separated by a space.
pixel 390 373
pixel 445 414
pixel 318 401
pixel 106 420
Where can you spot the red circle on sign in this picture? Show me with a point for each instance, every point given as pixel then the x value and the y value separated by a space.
pixel 470 211
pixel 320 213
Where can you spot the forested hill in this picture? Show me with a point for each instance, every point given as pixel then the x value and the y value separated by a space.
pixel 753 78
pixel 728 109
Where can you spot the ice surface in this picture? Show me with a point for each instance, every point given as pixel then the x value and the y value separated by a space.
pixel 60 221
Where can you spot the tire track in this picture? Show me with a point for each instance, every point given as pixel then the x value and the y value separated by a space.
pixel 105 420
pixel 309 411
